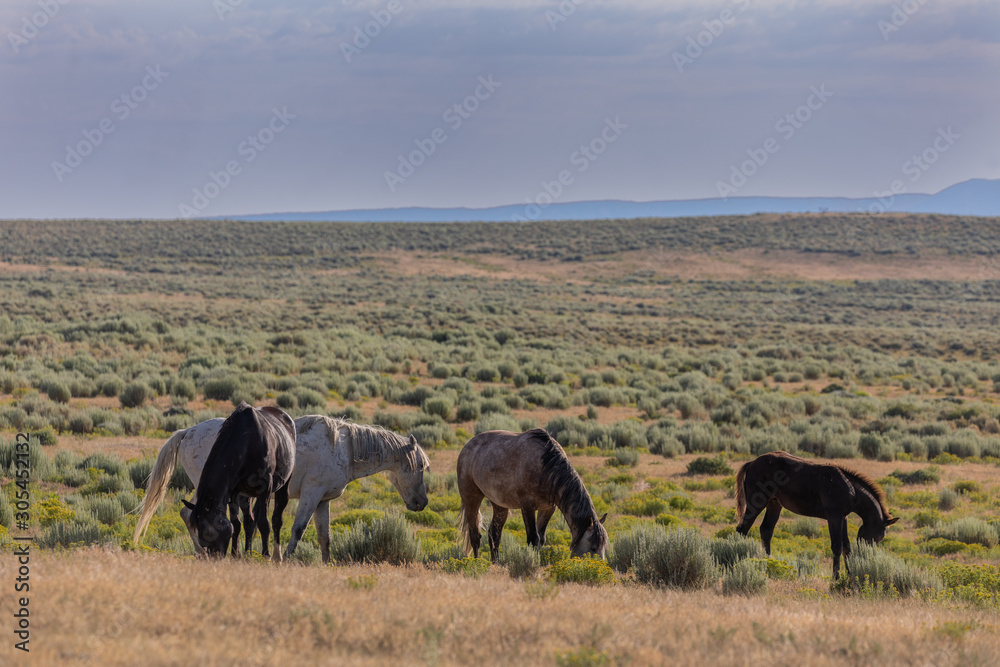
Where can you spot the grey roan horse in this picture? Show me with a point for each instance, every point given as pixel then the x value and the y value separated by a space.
pixel 821 490
pixel 526 471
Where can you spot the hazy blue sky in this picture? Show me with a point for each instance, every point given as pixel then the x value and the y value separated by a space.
pixel 830 98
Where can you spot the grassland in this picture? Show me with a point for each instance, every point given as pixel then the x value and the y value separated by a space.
pixel 641 345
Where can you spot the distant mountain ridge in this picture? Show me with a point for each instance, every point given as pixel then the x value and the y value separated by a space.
pixel 978 197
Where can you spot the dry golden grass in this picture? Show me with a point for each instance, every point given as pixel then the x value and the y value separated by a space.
pixel 112 608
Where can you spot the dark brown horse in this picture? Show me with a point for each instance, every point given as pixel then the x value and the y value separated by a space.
pixel 526 471
pixel 824 490
pixel 252 456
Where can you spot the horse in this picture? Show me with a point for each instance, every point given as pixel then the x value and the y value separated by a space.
pixel 252 455
pixel 828 491
pixel 527 471
pixel 330 453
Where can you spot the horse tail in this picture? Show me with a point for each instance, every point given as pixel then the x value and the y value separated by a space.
pixel 465 530
pixel 741 492
pixel 156 485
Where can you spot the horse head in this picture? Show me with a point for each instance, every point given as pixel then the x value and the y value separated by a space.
pixel 873 532
pixel 408 478
pixel 593 541
pixel 213 529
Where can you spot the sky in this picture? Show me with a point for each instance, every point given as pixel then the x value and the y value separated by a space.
pixel 156 109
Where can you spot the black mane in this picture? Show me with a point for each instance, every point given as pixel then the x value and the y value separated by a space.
pixel 565 487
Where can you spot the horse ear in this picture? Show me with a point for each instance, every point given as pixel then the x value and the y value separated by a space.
pixel 188 505
pixel 603 518
pixel 892 521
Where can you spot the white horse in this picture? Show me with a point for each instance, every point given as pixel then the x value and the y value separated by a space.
pixel 329 454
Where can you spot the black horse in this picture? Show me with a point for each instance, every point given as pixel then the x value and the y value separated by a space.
pixel 253 456
pixel 826 491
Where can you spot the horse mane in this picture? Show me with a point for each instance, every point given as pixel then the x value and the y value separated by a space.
pixel 373 445
pixel 868 484
pixel 565 486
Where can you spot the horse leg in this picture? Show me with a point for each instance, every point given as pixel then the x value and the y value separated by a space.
pixel 280 501
pixel 543 523
pixel 307 505
pixel 846 541
pixel 836 525
pixel 248 523
pixel 321 519
pixel 528 514
pixel 260 513
pixel 767 525
pixel 472 498
pixel 750 515
pixel 234 517
pixel 496 530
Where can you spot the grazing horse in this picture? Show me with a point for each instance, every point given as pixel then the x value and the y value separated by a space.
pixel 253 455
pixel 329 454
pixel 527 471
pixel 824 490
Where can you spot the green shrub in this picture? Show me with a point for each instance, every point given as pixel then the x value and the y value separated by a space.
pixel 104 508
pixel 964 487
pixel 220 389
pixel 644 504
pixel 551 554
pixel 109 463
pixel 919 476
pixel 442 406
pixel 46 436
pixel 309 398
pixel 624 457
pixel 730 550
pixel 387 539
pixel 942 547
pixel 109 484
pixel 874 572
pixel 947 499
pixel 746 577
pixel 969 530
pixel 287 401
pixel 6 512
pixel 704 465
pixel 679 558
pixel 806 526
pixel 74 477
pixel 522 561
pixel 135 394
pixel 591 571
pixel 352 517
pixel 306 553
pixel 470 567
pixel 71 534
pixel 58 392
